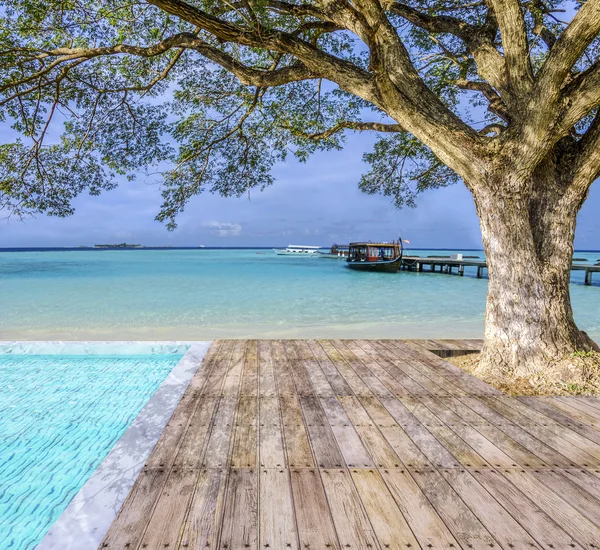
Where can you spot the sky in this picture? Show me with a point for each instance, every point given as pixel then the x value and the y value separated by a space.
pixel 313 203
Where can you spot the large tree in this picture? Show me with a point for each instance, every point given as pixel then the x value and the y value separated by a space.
pixel 501 94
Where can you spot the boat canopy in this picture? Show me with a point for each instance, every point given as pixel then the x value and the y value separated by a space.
pixel 374 251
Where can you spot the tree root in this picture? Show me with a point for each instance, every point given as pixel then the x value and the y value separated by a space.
pixel 576 374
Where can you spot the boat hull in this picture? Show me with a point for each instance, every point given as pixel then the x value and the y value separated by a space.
pixel 387 266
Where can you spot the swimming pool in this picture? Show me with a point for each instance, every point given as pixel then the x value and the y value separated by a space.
pixel 60 414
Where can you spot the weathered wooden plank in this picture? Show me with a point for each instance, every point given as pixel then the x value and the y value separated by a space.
pixel 536 522
pixel 580 498
pixel 128 527
pixel 548 455
pixel 313 517
pixel 378 448
pixel 217 449
pixel 452 385
pixel 317 377
pixel 580 450
pixel 486 448
pixel 165 450
pixel 168 516
pixel 564 414
pixel 202 526
pixel 296 365
pixel 403 363
pixel 353 451
pixel 424 521
pixel 351 522
pixel 461 521
pixel 249 382
pixel 191 450
pixel 519 453
pixel 429 445
pixel 321 437
pixel 240 519
pixel 357 364
pixel 277 525
pixel 335 379
pixel 231 385
pixel 593 413
pixel 380 355
pixel 355 382
pixel 573 409
pixel 266 370
pixel 283 373
pixel 585 479
pixel 271 451
pixel 579 527
pixel 388 386
pixel 214 382
pixel 297 445
pixel 469 383
pixel 407 450
pixel 245 439
pixel 498 522
pixel 390 526
pixel 460 450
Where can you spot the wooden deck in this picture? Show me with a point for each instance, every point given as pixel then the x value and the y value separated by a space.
pixel 363 445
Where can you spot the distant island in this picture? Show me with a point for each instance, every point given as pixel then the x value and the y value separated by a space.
pixel 122 245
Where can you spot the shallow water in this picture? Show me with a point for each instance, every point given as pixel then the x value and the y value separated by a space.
pixel 203 294
pixel 59 417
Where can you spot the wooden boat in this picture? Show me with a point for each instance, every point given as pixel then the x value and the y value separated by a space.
pixel 337 251
pixel 297 250
pixel 368 256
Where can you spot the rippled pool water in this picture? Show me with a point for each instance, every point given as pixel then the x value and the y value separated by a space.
pixel 59 417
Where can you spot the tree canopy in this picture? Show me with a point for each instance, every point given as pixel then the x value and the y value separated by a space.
pixel 209 95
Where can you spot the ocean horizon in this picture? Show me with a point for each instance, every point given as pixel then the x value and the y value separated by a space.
pixel 191 293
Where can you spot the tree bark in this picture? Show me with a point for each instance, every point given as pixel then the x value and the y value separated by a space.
pixel 528 234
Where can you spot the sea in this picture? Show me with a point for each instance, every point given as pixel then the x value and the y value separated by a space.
pixel 203 293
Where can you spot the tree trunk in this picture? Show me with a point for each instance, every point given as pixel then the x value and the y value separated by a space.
pixel 528 240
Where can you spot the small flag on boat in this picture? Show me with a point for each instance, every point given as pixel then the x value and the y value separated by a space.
pixel 406 241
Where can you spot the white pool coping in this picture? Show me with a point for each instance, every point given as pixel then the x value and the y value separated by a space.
pixel 87 518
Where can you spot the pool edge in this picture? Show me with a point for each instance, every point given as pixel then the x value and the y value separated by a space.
pixel 87 518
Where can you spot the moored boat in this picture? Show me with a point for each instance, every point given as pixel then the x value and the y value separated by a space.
pixel 297 250
pixel 369 256
pixel 336 251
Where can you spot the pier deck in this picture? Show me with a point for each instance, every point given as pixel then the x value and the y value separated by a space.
pixel 363 445
pixel 447 265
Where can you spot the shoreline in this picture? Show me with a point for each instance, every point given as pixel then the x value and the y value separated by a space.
pixel 366 331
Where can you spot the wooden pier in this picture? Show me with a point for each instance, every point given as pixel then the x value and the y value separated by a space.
pixel 335 445
pixel 447 265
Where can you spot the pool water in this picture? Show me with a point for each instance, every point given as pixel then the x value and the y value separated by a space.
pixel 59 417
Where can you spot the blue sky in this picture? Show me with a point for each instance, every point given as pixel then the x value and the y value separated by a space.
pixel 314 203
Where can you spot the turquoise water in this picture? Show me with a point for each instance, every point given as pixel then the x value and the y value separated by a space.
pixel 203 294
pixel 59 417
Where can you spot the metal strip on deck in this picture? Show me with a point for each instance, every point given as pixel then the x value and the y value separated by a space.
pixel 340 444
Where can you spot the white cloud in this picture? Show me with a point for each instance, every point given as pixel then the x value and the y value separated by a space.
pixel 222 229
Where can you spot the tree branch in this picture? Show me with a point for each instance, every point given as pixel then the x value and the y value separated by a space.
pixel 587 167
pixel 346 74
pixel 348 125
pixel 496 105
pixel 478 40
pixel 581 97
pixel 569 47
pixel 514 43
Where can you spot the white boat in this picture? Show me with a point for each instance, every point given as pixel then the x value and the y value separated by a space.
pixel 297 250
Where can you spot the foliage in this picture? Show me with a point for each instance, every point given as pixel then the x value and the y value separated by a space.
pixel 210 95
